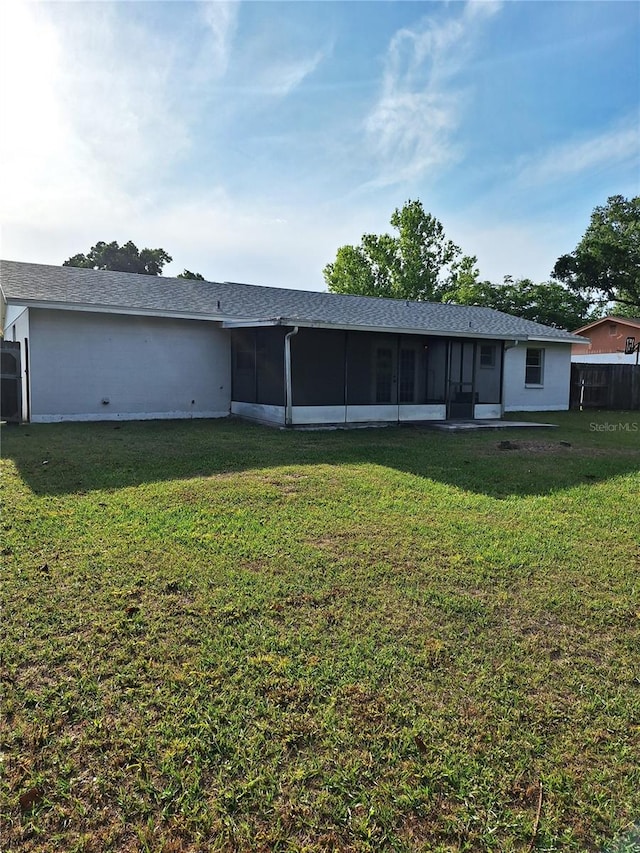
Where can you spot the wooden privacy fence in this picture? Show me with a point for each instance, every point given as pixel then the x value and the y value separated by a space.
pixel 605 386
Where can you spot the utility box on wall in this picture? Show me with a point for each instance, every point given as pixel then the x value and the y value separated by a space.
pixel 10 382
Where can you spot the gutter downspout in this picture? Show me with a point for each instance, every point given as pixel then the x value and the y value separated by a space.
pixel 288 395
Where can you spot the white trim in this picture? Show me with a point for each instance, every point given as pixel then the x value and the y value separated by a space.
pixel 604 358
pixel 259 412
pixel 11 318
pixel 548 340
pixel 110 309
pixel 485 411
pixel 239 322
pixel 288 391
pixel 319 414
pixel 308 415
pixel 422 412
pixel 423 330
pixel 249 324
pixel 539 408
pixel 125 416
pixel 540 366
pixel 372 414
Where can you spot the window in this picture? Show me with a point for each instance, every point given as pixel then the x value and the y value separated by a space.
pixel 534 367
pixel 487 355
pixel 613 329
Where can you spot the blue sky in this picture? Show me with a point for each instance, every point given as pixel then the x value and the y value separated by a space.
pixel 252 139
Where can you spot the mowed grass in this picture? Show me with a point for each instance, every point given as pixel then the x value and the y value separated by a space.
pixel 220 637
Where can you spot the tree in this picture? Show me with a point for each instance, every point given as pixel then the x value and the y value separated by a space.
pixel 126 258
pixel 418 263
pixel 549 303
pixel 605 265
pixel 195 276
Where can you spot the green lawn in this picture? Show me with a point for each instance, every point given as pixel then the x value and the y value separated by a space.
pixel 221 637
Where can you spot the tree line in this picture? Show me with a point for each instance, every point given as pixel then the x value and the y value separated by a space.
pixel 418 262
pixel 601 275
pixel 126 258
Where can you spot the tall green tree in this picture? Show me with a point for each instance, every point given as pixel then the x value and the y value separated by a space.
pixel 125 258
pixel 605 265
pixel 549 303
pixel 418 262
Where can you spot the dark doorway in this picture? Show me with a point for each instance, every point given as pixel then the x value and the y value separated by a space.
pixel 461 396
pixel 11 382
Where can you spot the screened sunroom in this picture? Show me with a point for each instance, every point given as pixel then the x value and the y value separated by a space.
pixel 294 375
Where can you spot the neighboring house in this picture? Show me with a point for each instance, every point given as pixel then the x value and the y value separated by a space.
pixel 110 346
pixel 606 341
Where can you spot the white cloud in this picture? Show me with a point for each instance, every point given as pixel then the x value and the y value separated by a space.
pixel 98 109
pixel 90 115
pixel 88 95
pixel 117 90
pixel 47 168
pixel 281 78
pixel 256 241
pixel 277 58
pixel 410 129
pixel 620 145
pixel 220 18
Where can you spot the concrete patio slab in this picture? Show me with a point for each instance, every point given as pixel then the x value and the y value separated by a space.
pixel 462 426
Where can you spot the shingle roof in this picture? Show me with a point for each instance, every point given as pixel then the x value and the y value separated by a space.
pixel 73 287
pixel 612 318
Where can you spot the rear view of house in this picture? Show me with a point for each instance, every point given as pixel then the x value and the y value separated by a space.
pixel 101 345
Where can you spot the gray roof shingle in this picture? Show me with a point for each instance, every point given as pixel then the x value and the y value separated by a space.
pixel 25 283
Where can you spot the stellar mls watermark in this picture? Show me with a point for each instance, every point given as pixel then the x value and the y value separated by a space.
pixel 620 426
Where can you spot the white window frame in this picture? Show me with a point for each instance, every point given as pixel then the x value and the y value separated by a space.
pixel 539 367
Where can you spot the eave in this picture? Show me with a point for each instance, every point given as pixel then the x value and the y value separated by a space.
pixel 394 330
pixel 98 308
pixel 230 322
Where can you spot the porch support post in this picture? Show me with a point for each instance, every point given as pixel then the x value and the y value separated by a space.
pixel 346 373
pixel 288 391
pixel 473 380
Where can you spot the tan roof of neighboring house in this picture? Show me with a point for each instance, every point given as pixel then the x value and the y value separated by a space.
pixel 629 321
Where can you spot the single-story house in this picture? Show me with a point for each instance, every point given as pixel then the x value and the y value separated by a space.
pixel 114 346
pixel 607 340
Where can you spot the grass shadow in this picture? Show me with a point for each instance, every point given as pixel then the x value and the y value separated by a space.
pixel 68 458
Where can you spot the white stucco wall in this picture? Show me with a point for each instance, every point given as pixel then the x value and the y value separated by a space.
pixel 605 358
pixel 552 395
pixel 145 367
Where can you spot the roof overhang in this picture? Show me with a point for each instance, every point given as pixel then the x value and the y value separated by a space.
pixel 569 339
pixel 393 330
pixel 229 322
pixel 113 309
